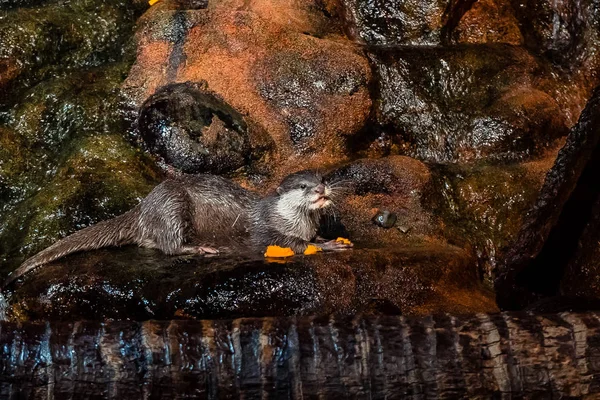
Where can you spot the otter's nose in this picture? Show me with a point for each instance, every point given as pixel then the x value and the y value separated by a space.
pixel 320 189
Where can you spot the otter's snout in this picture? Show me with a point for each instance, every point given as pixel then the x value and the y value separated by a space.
pixel 320 189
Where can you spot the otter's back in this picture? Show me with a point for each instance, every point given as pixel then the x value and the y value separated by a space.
pixel 220 208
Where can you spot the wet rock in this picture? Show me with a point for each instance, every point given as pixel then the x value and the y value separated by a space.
pixel 394 22
pixel 39 42
pixel 11 168
pixel 566 32
pixel 104 177
pixel 488 21
pixel 8 4
pixel 468 103
pixel 394 183
pixel 285 66
pixel 385 219
pixel 193 130
pixel 64 161
pixel 393 174
pixel 300 89
pixel 141 284
pixel 483 207
pixel 62 141
pixel 568 263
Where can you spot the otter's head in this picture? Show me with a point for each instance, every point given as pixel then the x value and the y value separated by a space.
pixel 305 190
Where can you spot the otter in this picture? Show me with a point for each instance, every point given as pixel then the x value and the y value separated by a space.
pixel 205 214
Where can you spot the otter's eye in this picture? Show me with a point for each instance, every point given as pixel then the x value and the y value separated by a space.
pixel 303 186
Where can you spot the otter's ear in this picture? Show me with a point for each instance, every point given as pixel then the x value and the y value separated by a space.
pixel 280 190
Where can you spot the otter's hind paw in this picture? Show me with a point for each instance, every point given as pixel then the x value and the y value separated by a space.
pixel 207 250
pixel 199 250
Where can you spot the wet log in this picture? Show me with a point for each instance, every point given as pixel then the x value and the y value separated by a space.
pixel 483 356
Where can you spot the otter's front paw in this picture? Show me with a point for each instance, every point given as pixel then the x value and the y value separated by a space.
pixel 334 245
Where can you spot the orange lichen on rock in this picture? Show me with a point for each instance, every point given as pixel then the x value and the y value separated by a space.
pixel 278 252
pixel 152 56
pixel 312 249
pixel 301 85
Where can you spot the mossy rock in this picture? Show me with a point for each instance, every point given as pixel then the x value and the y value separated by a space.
pixel 39 133
pixel 46 41
pixel 483 207
pixel 104 177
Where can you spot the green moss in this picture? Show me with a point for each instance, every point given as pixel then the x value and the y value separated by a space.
pixel 59 109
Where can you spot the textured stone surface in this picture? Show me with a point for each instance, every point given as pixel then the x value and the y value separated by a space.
pixel 582 275
pixel 534 256
pixel 395 22
pixel 566 32
pixel 397 184
pixel 101 179
pixel 468 103
pixel 489 21
pixel 193 130
pixel 40 42
pixel 285 66
pixel 484 207
pixel 65 161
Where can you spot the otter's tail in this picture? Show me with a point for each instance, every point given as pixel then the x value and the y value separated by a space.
pixel 113 232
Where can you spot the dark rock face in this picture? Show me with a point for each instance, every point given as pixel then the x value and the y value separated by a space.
pixel 467 103
pixel 535 260
pixel 576 267
pixel 488 21
pixel 483 207
pixel 38 43
pixel 194 131
pixel 8 4
pixel 582 275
